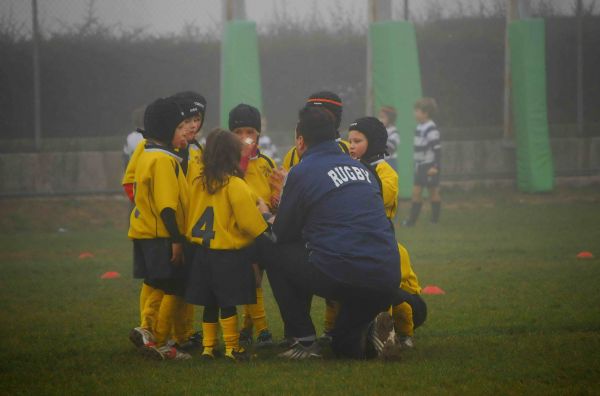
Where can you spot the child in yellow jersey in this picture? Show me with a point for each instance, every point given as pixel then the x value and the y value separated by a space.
pixel 157 225
pixel 223 223
pixel 245 123
pixel 368 138
pixel 333 104
pixel 193 106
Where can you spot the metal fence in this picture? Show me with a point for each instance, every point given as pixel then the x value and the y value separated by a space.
pixel 98 61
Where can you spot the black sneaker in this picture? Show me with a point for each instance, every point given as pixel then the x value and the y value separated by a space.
pixel 192 343
pixel 302 352
pixel 239 355
pixel 246 337
pixel 264 339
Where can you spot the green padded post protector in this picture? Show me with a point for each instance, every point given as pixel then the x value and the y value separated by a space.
pixel 535 170
pixel 397 82
pixel 240 68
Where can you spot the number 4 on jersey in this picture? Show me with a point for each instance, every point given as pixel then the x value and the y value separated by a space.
pixel 204 227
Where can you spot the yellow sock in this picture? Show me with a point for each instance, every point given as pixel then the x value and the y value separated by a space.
pixel 179 330
pixel 169 308
pixel 150 310
pixel 247 318
pixel 209 337
pixel 332 308
pixel 257 312
pixel 231 337
pixel 144 294
pixel 189 320
pixel 403 319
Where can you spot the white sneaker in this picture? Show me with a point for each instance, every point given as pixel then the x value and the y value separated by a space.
pixel 140 337
pixel 165 353
pixel 300 352
pixel 383 337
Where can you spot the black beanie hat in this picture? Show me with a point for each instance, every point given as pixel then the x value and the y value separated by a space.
pixel 376 134
pixel 192 103
pixel 330 101
pixel 161 119
pixel 244 115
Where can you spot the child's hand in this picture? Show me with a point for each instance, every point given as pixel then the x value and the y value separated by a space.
pixel 276 183
pixel 177 258
pixel 432 171
pixel 262 206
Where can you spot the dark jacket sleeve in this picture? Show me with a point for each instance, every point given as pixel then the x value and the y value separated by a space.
pixel 290 214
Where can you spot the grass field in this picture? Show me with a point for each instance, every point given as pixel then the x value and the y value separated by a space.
pixel 520 315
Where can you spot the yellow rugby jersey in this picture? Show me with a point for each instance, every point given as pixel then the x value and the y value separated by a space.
pixel 292 158
pixel 159 184
pixel 258 174
pixel 389 187
pixel 129 176
pixel 409 281
pixel 226 220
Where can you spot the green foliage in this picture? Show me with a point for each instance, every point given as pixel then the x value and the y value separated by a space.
pixel 520 313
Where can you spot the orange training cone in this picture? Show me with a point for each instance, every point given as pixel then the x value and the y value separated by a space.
pixel 85 255
pixel 430 289
pixel 110 275
pixel 585 255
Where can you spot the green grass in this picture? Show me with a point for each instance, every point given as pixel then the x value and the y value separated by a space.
pixel 520 315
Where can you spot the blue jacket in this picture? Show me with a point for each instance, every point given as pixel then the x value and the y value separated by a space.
pixel 333 203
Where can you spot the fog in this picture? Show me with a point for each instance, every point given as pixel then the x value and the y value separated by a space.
pixel 161 17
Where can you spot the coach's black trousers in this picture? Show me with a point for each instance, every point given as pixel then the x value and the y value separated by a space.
pixel 294 280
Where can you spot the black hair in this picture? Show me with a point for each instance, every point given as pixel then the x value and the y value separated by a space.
pixel 315 125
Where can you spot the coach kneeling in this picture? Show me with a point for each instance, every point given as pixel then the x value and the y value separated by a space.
pixel 334 241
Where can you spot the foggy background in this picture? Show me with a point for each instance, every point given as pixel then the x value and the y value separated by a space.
pixel 102 59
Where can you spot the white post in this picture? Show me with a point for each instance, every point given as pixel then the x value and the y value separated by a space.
pixel 233 10
pixel 378 10
pixel 511 10
pixel 37 102
pixel 579 68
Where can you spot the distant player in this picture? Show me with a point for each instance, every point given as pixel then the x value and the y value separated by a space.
pixel 157 225
pixel 224 222
pixel 333 104
pixel 427 157
pixel 135 136
pixel 387 115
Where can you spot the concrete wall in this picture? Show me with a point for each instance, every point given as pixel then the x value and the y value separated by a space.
pixel 88 172
pixel 60 173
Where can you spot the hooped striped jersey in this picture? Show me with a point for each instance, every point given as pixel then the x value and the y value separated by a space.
pixel 427 144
